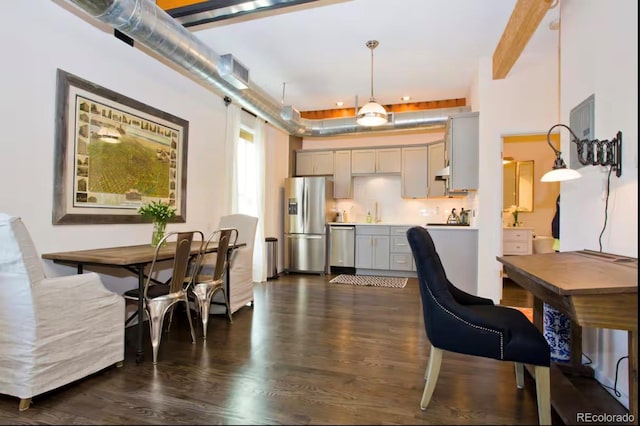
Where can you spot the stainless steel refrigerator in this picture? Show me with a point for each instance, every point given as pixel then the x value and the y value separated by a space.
pixel 308 208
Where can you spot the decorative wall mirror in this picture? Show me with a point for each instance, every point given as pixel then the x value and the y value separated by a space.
pixel 517 185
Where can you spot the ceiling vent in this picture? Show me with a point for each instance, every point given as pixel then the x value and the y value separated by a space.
pixel 234 72
pixel 390 117
pixel 290 113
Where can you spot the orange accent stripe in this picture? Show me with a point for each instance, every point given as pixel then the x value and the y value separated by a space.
pixel 411 106
pixel 174 4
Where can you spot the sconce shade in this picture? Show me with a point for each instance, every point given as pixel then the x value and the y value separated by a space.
pixel 558 175
pixel 372 114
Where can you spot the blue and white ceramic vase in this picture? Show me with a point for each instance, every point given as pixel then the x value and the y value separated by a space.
pixel 557 331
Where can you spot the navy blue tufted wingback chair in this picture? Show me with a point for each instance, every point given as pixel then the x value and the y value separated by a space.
pixel 456 321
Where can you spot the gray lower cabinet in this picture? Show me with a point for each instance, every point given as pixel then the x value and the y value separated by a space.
pixel 400 255
pixel 458 252
pixel 384 250
pixel 372 247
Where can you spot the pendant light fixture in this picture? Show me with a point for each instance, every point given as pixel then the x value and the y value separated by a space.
pixel 372 113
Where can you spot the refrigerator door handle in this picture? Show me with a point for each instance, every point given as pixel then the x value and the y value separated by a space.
pixel 305 208
pixel 305 236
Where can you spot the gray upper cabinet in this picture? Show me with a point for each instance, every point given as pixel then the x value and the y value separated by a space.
pixel 342 186
pixel 372 161
pixel 461 151
pixel 436 162
pixel 314 163
pixel 414 174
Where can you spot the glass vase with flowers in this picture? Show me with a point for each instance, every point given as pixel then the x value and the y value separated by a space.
pixel 515 210
pixel 159 213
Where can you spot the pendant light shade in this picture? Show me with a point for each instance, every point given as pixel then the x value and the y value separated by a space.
pixel 372 113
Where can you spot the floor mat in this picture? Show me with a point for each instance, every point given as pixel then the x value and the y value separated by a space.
pixel 370 280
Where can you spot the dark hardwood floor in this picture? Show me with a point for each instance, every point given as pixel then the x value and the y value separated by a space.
pixel 307 352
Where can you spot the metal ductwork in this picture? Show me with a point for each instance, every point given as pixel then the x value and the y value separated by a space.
pixel 149 25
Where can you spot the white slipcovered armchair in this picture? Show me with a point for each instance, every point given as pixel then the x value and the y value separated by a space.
pixel 241 267
pixel 53 331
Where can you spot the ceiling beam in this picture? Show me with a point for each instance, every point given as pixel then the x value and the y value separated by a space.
pixel 524 21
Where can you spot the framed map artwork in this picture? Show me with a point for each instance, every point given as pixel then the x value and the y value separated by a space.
pixel 114 154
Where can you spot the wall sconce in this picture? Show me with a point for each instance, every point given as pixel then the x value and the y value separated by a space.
pixel 594 153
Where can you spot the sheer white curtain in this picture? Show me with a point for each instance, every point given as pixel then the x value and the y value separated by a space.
pixel 245 177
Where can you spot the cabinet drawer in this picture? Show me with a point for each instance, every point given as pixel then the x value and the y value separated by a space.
pixel 399 230
pixel 372 230
pixel 400 262
pixel 515 247
pixel 517 236
pixel 399 245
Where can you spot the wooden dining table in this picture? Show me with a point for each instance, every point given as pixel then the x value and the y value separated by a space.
pixel 594 289
pixel 134 259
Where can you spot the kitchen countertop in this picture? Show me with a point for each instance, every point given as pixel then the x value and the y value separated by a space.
pixel 463 228
pixel 372 224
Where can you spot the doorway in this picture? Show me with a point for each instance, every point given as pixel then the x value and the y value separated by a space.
pixel 529 158
pixel 525 159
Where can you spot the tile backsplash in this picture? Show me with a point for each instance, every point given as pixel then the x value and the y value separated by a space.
pixel 384 192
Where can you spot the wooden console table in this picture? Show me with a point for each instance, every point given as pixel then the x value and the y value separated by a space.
pixel 594 289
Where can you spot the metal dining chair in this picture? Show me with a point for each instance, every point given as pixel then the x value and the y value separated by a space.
pixel 161 298
pixel 205 286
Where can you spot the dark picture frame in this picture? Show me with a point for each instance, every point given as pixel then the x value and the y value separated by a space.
pixel 114 154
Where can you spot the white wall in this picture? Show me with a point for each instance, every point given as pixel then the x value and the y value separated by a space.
pixel 277 159
pixel 523 103
pixel 604 63
pixel 40 38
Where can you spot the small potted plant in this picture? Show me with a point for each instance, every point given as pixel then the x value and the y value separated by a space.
pixel 159 213
pixel 514 210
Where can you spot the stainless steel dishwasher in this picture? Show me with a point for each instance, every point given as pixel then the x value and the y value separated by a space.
pixel 342 251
